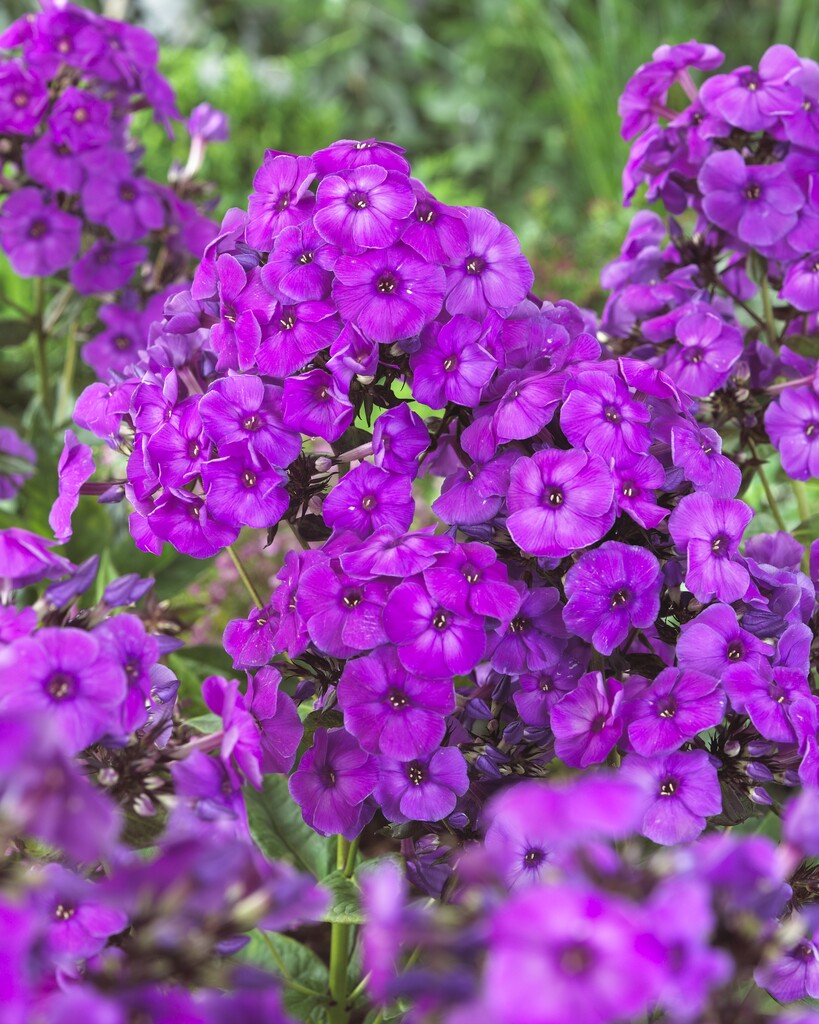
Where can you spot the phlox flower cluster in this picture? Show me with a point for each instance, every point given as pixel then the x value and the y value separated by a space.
pixel 78 203
pixel 95 768
pixel 724 295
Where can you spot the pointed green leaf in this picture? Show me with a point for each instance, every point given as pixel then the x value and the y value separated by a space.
pixel 346 900
pixel 292 962
pixel 279 830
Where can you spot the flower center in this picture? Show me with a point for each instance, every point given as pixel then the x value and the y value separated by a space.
pixel 554 497
pixel 283 202
pixel 474 265
pixel 61 686
pixel 357 200
pixel 387 284
pixel 669 787
pixel 518 624
pixel 613 414
pixel 440 621
pixel 64 913
pixel 415 773
pixel 397 699
pixel 753 192
pixel 532 858
pixel 810 429
pixel 305 258
pixel 287 321
pixel 127 193
pixel 194 450
pixel 121 342
pixel 575 958
pixel 720 545
pixel 252 422
pixel 735 651
pixel 424 214
pixel 627 490
pixel 38 229
pixel 20 99
pixel 369 502
pixel 669 710
pixel 249 478
pixel 470 573
pixel 80 115
pixel 450 363
pixel 352 599
pixel 694 355
pixel 619 597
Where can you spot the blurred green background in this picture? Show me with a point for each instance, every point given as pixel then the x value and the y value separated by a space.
pixel 510 104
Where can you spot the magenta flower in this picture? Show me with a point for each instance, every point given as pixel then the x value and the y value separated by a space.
pixel 332 783
pixel 698 452
pixel 755 100
pixel 276 718
pixel 636 478
pixel 343 614
pixel 471 577
pixel 179 449
pixel 244 305
pixel 346 153
pixel 600 415
pixel 559 501
pixel 76 465
pixel 79 922
pixel 183 519
pixel 251 642
pixel 588 721
pixel 314 404
pixel 280 197
pixel 390 711
pixel 714 641
pixel 673 709
pixel 240 409
pixel 684 790
pixel 792 422
pixel 530 641
pixel 491 273
pixel 38 238
pixel 369 498
pixel 609 590
pixel 708 531
pixel 433 641
pixel 390 293
pixel 527 404
pixel 299 267
pixel 106 266
pixel 65 676
pixel 243 489
pixel 801 284
pixel 425 789
pixel 129 207
pixel 437 232
pixel 399 437
pixel 24 99
pixel 294 335
pixel 758 203
pixel 766 695
pixel 706 353
pixel 363 207
pixel 451 365
pixel 792 976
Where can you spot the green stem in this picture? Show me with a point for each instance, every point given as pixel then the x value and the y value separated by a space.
pixel 352 853
pixel 243 576
pixel 287 977
pixel 801 494
pixel 66 389
pixel 339 949
pixel 766 487
pixel 767 308
pixel 356 992
pixel 24 313
pixel 40 340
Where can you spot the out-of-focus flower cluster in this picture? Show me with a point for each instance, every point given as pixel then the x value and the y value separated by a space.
pixel 724 295
pixel 129 875
pixel 78 202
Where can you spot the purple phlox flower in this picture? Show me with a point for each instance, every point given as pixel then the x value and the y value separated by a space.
pixel 475 494
pixel 368 498
pixel 433 640
pixel 801 284
pixel 757 203
pixel 276 718
pixel 706 352
pixel 559 501
pixel 80 120
pixel 243 489
pixel 801 822
pixel 636 478
pixel 12 444
pixel 610 590
pixel 332 783
pixel 576 954
pixel 24 98
pixel 600 415
pixel 343 614
pixel 437 232
pixel 79 922
pixel 793 647
pixel 126 590
pixel 179 449
pixel 291 630
pixel 399 437
pixel 698 453
pixel 683 920
pixel 25 559
pixel 766 695
pixel 128 206
pixel 363 207
pixel 205 279
pixel 424 789
pixel 527 405
pixel 714 641
pixel 389 710
pixel 241 743
pixel 532 639
pixel 76 465
pixel 299 267
pixel 539 692
pixel 314 404
pixel 792 975
pixel 745 873
pixel 470 577
pixel 152 402
pixel 212 791
pixel 53 164
pixel 348 153
pixel 117 347
pixel 38 238
pixel 251 642
pixel 66 677
pixel 182 519
pixel 79 580
pixel 684 790
pixel 280 197
pixel 384 891
pixel 490 272
pixel 294 335
pixel 673 709
pixel 708 531
pixel 240 408
pixel 451 365
pixel 755 100
pixel 353 354
pixel 385 553
pixel 792 422
pixel 105 266
pixel 588 721
pixel 124 639
pixel 100 409
pixel 801 125
pixel 208 123
pixel 388 293
pixel 16 622
pixel 244 305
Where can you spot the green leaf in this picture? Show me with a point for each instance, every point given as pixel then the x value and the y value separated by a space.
pixel 207 723
pixel 14 332
pixel 346 900
pixel 280 831
pixel 808 530
pixel 290 960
